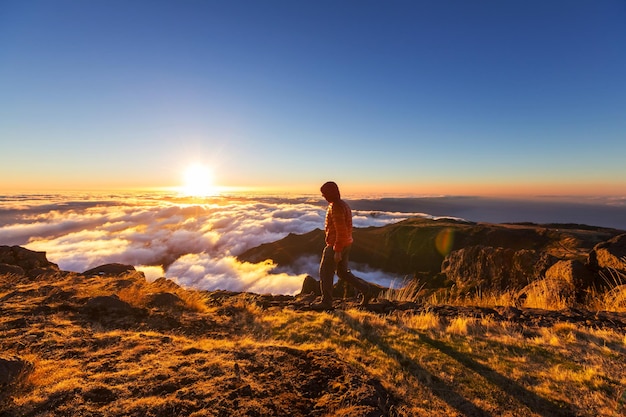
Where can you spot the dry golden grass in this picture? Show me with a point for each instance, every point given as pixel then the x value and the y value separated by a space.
pixel 226 355
pixel 542 295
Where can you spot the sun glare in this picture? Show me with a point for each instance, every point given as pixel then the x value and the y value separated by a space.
pixel 198 181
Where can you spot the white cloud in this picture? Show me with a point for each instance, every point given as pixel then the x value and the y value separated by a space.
pixel 376 218
pixel 152 273
pixel 227 273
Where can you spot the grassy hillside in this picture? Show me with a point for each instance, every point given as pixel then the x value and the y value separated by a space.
pixel 120 346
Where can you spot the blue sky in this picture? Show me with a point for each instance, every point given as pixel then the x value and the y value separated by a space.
pixel 422 97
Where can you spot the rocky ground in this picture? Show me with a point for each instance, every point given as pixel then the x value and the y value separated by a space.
pixel 135 348
pixel 188 356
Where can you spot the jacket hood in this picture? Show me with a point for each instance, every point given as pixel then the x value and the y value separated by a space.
pixel 331 191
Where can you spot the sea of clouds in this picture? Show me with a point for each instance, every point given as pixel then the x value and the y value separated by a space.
pixel 195 242
pixel 192 241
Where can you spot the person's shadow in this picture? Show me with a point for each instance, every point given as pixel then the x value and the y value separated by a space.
pixel 524 397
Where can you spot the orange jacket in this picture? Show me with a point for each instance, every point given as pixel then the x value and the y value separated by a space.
pixel 338 225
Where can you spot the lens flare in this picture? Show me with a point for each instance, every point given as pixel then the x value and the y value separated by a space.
pixel 444 241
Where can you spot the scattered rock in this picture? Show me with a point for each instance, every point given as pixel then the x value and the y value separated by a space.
pixel 341 289
pixel 192 351
pixel 108 304
pixel 298 381
pixel 42 273
pixel 165 388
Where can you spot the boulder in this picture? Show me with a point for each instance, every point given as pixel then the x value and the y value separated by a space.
pixel 610 254
pixel 311 286
pixel 495 268
pixel 113 269
pixel 548 293
pixel 32 263
pixel 573 271
pixel 108 305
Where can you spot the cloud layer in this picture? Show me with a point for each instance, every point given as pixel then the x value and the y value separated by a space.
pixel 194 242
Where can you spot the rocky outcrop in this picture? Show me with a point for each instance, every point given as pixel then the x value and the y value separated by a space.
pixel 487 267
pixel 112 269
pixel 21 261
pixel 609 255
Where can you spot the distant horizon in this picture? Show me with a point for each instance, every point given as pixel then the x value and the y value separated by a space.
pixel 312 191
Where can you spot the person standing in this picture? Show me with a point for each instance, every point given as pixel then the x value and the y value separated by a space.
pixel 338 232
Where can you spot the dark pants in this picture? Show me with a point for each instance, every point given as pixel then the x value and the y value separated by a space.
pixel 328 269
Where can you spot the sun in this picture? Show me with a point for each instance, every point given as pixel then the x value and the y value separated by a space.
pixel 198 181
